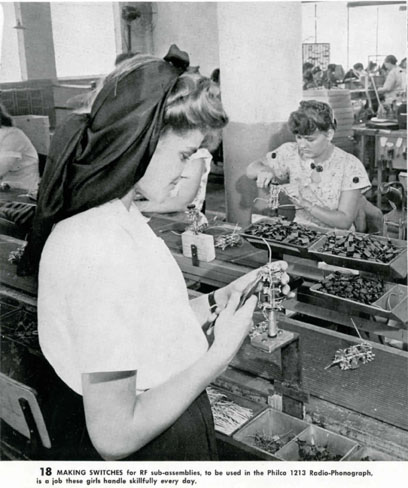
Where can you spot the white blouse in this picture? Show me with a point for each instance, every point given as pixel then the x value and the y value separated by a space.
pixel 24 172
pixel 112 298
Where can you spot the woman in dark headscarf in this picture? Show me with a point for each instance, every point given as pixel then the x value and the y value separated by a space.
pixel 127 346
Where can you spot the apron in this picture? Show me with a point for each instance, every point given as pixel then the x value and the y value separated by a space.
pixel 190 438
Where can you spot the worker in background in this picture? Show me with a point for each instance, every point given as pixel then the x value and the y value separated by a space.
pixel 329 79
pixel 325 182
pixel 191 188
pixel 395 83
pixel 307 66
pixel 317 74
pixel 357 74
pixel 18 157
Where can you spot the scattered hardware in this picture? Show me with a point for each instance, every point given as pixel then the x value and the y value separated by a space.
pixel 272 443
pixel 15 256
pixel 223 241
pixel 313 452
pixel 353 356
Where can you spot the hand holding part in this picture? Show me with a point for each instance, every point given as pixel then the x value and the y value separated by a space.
pixel 233 325
pixel 265 176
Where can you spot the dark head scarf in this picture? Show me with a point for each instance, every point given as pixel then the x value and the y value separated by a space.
pixel 99 156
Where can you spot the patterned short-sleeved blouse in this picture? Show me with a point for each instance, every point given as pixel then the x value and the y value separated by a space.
pixel 341 172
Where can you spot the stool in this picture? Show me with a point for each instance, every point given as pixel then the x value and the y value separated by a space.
pixel 19 409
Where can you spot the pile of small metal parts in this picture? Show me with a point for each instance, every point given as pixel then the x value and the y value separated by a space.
pixel 272 443
pixel 224 241
pixel 313 452
pixel 353 287
pixel 284 231
pixel 15 256
pixel 228 415
pixel 353 356
pixel 364 247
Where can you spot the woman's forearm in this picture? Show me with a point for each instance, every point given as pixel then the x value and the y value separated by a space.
pixel 333 218
pixel 6 164
pixel 254 168
pixel 139 419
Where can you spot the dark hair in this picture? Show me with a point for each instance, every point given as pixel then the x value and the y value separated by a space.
pixel 331 67
pixel 5 118
pixel 307 66
pixel 311 116
pixel 390 59
pixel 371 65
pixel 358 66
pixel 215 76
pixel 316 69
pixel 194 103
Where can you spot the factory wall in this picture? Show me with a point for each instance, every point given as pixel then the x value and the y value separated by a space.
pixel 328 23
pixel 84 38
pixel 192 26
pixel 10 69
pixel 261 81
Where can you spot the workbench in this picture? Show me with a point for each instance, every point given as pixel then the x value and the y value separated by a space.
pixel 389 154
pixel 368 404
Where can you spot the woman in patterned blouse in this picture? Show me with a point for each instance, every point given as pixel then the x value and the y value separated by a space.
pixel 325 182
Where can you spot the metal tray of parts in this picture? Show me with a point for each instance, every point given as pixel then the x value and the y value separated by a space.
pixel 337 445
pixel 396 301
pixel 270 424
pixel 396 268
pixel 283 246
pixel 379 307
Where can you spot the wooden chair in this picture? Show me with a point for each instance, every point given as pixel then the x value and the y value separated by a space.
pixel 25 434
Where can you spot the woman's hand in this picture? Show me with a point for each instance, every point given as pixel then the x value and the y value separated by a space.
pixel 232 326
pixel 264 177
pixel 222 295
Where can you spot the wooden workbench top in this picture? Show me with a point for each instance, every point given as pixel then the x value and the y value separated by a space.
pixel 377 390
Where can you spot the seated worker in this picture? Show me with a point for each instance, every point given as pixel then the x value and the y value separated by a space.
pixel 192 185
pixel 395 82
pixel 18 157
pixel 325 182
pixel 329 78
pixel 357 74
